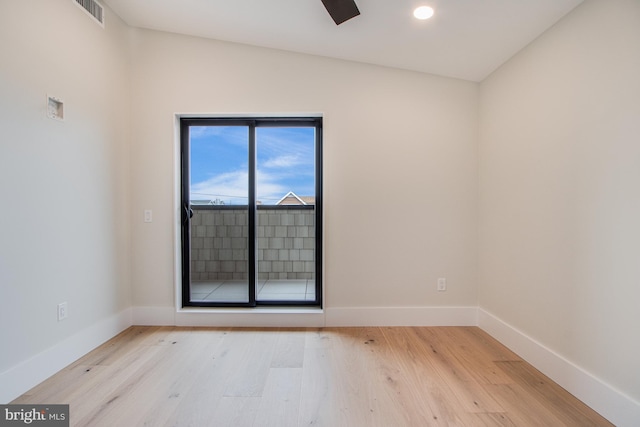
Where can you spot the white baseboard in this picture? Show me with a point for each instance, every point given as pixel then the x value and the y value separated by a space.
pixel 336 317
pixel 254 317
pixel 24 376
pixel 615 406
pixel 401 316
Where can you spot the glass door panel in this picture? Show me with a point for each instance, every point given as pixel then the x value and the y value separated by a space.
pixel 219 200
pixel 285 198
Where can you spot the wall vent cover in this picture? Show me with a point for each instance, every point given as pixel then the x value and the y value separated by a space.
pixel 93 8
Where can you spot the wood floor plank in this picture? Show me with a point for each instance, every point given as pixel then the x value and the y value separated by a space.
pixel 392 376
pixel 556 399
pixel 373 377
pixel 127 341
pixel 316 397
pixel 83 370
pixel 318 338
pixel 352 390
pixel 420 380
pixel 476 357
pixel 253 355
pixel 289 349
pixel 204 401
pixel 186 364
pixel 499 419
pixel 280 402
pixel 482 341
pixel 107 387
pixel 232 412
pixel 61 385
pixel 459 383
pixel 176 353
pixel 521 408
pixel 346 401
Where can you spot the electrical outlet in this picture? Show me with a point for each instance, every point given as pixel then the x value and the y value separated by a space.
pixel 148 215
pixel 442 284
pixel 62 311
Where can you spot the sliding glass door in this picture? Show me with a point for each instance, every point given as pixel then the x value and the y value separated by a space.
pixel 252 211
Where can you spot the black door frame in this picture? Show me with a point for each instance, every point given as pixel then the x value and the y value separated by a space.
pixel 186 212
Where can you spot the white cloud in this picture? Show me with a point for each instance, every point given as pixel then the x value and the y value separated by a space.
pixel 232 188
pixel 237 135
pixel 285 161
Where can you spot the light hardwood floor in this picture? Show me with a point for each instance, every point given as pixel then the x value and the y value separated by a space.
pixel 443 376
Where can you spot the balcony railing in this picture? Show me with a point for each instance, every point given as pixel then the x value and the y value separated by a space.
pixel 285 242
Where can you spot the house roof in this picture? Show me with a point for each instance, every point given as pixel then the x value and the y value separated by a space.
pixel 292 198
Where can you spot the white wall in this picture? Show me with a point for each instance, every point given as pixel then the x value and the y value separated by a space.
pixel 64 185
pixel 394 138
pixel 558 200
pixel 559 192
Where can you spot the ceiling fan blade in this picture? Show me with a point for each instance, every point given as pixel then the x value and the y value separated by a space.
pixel 341 10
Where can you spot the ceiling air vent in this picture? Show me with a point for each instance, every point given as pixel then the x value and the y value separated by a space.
pixel 93 8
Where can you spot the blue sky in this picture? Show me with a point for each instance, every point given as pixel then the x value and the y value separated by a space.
pixel 219 160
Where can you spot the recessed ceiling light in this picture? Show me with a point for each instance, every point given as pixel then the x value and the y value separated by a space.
pixel 423 12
